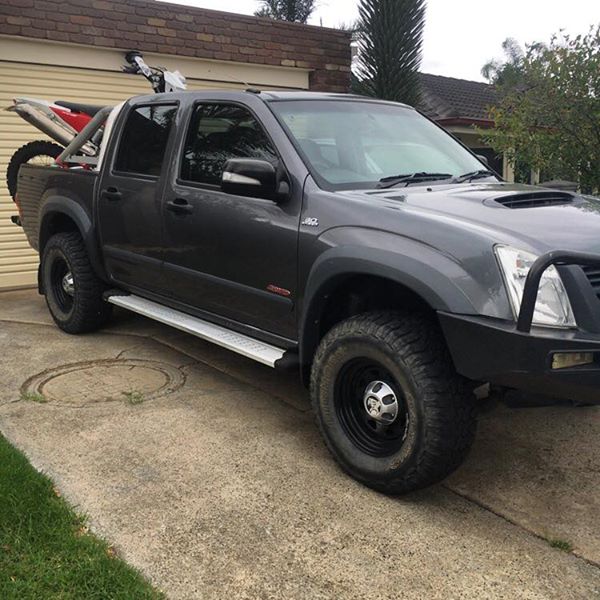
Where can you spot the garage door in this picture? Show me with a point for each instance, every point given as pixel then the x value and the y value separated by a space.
pixel 18 263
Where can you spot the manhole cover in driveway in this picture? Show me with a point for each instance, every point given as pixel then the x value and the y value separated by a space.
pixel 83 383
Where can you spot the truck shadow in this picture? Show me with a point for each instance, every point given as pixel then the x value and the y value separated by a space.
pixel 535 462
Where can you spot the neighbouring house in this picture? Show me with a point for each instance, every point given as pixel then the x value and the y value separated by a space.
pixel 73 50
pixel 462 107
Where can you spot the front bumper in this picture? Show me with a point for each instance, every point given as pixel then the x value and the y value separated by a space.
pixel 495 351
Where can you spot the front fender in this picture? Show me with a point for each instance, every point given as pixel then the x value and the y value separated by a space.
pixel 438 278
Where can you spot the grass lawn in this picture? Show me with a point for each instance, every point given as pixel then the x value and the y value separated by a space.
pixel 45 550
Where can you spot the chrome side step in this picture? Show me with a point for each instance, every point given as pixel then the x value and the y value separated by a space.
pixel 237 342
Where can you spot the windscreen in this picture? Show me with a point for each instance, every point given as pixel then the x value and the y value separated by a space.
pixel 355 144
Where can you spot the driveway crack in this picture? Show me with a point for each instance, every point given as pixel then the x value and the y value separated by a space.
pixel 490 509
pixel 120 354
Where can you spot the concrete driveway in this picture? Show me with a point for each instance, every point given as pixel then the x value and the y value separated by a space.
pixel 206 472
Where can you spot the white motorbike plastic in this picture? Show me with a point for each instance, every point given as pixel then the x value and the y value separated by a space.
pixel 39 113
pixel 174 81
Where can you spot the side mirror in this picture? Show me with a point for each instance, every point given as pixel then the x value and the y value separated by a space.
pixel 251 177
pixel 483 159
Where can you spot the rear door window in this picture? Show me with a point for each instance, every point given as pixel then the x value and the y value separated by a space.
pixel 144 139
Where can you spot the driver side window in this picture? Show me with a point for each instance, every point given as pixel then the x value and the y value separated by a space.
pixel 217 133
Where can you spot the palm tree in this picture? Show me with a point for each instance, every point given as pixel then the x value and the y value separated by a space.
pixel 390 34
pixel 286 10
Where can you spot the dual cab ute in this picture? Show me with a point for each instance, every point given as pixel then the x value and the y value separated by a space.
pixel 351 239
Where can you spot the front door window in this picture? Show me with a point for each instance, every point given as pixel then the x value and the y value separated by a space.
pixel 217 133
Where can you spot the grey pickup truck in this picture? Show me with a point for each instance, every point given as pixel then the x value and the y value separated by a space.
pixel 351 239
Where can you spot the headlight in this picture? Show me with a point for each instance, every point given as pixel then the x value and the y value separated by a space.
pixel 552 308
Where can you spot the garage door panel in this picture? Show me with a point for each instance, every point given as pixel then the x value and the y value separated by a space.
pixel 7 228
pixel 17 280
pixel 8 245
pixel 8 262
pixel 17 252
pixel 14 235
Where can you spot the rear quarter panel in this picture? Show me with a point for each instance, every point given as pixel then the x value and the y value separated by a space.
pixel 44 190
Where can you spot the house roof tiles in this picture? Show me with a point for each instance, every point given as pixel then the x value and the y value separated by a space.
pixel 448 98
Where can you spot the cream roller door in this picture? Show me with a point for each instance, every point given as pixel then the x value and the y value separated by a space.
pixel 18 262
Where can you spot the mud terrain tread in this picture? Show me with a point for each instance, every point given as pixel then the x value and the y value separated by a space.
pixel 449 408
pixel 90 311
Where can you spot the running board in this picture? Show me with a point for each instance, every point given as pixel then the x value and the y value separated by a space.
pixel 237 342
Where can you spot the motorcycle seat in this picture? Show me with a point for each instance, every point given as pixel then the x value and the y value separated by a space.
pixel 89 109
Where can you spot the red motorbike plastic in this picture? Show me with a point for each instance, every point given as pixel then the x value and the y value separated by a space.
pixel 77 120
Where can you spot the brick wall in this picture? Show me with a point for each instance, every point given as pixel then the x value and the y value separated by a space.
pixel 180 30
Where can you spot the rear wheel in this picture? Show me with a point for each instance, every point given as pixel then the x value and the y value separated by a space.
pixel 72 289
pixel 389 404
pixel 40 152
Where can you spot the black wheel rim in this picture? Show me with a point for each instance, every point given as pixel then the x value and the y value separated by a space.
pixel 58 272
pixel 369 435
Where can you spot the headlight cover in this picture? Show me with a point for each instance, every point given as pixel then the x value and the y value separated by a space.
pixel 552 308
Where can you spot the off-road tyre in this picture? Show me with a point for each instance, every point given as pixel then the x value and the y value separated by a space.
pixel 440 417
pixel 84 310
pixel 23 155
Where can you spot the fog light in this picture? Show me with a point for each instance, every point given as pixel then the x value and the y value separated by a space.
pixel 566 360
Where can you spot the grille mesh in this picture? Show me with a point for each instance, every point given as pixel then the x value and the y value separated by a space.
pixel 593 275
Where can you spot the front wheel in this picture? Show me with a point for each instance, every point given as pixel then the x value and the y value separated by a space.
pixel 391 408
pixel 72 289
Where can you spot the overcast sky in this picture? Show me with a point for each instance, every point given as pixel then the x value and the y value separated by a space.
pixel 461 35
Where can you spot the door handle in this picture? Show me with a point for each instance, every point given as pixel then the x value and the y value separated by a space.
pixel 179 205
pixel 111 193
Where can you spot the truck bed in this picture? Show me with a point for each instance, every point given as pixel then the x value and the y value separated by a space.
pixel 39 185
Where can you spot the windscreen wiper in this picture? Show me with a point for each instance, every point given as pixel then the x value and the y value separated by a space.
pixel 474 175
pixel 387 182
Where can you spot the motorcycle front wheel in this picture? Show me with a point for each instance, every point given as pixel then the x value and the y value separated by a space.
pixel 40 152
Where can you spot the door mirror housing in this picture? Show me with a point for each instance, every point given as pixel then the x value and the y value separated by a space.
pixel 483 159
pixel 251 177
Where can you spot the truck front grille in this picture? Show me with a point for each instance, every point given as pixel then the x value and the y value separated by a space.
pixel 593 275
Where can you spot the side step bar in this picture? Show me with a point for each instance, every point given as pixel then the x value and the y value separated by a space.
pixel 237 342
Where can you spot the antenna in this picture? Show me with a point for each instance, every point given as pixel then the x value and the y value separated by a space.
pixel 249 88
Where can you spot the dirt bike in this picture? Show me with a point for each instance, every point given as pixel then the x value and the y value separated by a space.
pixel 62 121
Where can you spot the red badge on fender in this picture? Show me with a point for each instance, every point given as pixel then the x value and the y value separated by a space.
pixel 279 290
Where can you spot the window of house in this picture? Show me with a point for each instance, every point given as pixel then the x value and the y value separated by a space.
pixel 144 140
pixel 217 133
